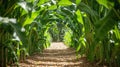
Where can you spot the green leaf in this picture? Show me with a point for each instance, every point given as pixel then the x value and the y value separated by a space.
pixel 105 24
pixel 53 7
pixel 23 5
pixel 117 33
pixel 42 2
pixel 79 16
pixel 88 10
pixel 20 34
pixel 27 6
pixel 78 48
pixel 60 16
pixel 29 0
pixel 67 12
pixel 29 20
pixel 65 3
pixel 106 3
pixel 17 28
pixel 78 1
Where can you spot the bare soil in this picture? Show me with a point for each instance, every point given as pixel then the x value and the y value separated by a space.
pixel 57 55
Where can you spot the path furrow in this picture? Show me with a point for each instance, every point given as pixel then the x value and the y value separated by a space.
pixel 57 55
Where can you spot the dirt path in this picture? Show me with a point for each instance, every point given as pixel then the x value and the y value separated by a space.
pixel 57 55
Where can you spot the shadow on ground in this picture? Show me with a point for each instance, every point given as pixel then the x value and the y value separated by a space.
pixel 57 55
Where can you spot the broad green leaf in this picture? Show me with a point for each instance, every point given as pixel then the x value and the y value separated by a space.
pixel 60 16
pixel 42 2
pixel 117 33
pixel 78 1
pixel 16 27
pixel 81 39
pixel 27 6
pixel 78 48
pixel 88 10
pixel 30 0
pixel 65 3
pixel 79 16
pixel 82 43
pixel 105 24
pixel 53 7
pixel 119 1
pixel 29 20
pixel 20 34
pixel 23 5
pixel 106 3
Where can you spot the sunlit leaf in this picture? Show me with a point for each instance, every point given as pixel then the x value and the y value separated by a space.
pixel 53 7
pixel 29 20
pixel 117 33
pixel 23 5
pixel 106 3
pixel 78 1
pixel 7 20
pixel 42 2
pixel 30 0
pixel 79 16
pixel 65 3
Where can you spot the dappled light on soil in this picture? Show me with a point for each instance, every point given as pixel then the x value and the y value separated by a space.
pixel 57 46
pixel 57 55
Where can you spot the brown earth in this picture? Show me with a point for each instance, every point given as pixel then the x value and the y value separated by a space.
pixel 57 55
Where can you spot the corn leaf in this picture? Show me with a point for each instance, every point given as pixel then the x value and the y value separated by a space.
pixel 106 3
pixel 29 20
pixel 65 3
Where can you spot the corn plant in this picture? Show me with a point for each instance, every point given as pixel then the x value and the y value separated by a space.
pixel 93 27
pixel 22 27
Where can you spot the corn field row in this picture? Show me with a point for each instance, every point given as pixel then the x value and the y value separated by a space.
pixel 92 27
